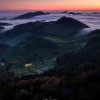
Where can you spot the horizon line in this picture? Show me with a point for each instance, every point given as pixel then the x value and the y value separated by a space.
pixel 53 9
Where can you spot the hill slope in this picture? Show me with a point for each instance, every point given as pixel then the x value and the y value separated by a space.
pixel 77 77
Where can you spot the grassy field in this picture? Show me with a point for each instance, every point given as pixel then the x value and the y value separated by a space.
pixel 37 68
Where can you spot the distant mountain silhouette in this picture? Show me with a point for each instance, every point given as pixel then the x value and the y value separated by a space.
pixel 30 14
pixel 65 11
pixel 71 22
pixel 72 13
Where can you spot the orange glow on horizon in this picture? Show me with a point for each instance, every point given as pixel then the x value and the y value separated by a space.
pixel 50 5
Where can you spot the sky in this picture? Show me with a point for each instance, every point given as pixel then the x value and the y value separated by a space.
pixel 50 4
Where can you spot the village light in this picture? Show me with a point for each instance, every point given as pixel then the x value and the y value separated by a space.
pixel 29 65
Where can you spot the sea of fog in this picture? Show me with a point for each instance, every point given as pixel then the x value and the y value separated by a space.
pixel 91 18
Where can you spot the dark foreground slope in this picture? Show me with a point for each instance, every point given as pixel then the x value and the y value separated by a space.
pixel 76 76
pixel 87 56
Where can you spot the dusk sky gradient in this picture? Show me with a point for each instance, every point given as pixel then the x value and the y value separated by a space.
pixel 50 4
